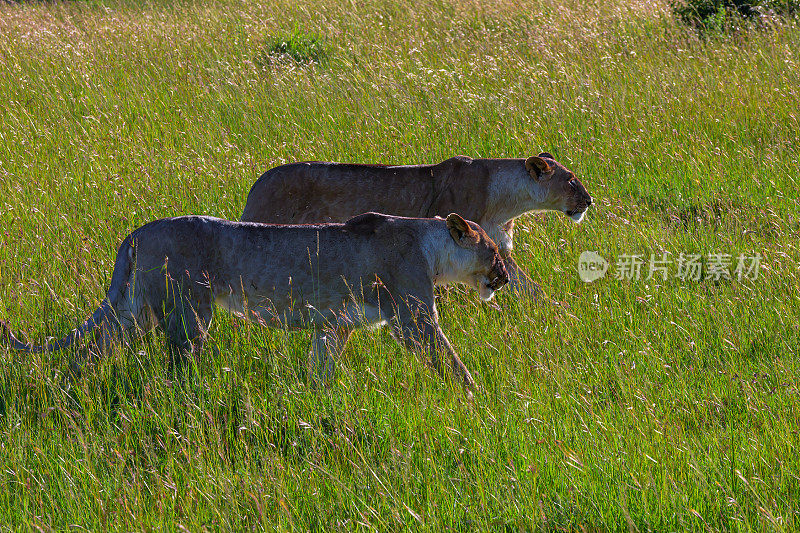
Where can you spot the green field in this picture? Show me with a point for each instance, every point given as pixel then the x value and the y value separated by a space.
pixel 630 405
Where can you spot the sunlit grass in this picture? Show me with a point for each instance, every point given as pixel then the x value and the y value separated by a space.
pixel 632 405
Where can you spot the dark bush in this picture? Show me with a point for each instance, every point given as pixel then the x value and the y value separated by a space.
pixel 299 48
pixel 718 16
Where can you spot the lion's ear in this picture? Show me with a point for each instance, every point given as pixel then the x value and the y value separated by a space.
pixel 537 166
pixel 548 155
pixel 460 231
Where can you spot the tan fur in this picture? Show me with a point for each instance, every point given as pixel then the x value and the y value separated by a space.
pixel 492 192
pixel 332 278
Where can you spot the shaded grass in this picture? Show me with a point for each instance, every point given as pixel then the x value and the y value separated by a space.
pixel 631 405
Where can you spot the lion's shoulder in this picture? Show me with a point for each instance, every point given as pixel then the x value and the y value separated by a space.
pixel 367 223
pixel 458 161
pixel 401 234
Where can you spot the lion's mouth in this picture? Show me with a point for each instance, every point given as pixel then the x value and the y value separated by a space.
pixel 576 215
pixel 487 288
pixel 485 292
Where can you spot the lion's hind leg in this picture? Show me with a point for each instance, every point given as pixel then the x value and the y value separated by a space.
pixel 106 332
pixel 121 325
pixel 186 325
pixel 326 347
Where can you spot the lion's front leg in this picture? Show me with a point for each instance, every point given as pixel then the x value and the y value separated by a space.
pixel 457 367
pixel 519 281
pixel 419 331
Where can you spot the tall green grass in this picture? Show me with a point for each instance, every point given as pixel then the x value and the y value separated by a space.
pixel 631 405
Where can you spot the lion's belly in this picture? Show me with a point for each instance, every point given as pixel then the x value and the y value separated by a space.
pixel 293 311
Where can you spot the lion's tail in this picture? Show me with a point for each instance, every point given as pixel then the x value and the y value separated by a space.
pixel 105 313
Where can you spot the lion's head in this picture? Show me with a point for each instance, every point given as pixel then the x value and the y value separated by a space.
pixel 486 271
pixel 564 191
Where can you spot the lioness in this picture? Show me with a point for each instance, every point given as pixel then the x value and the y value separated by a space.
pixel 492 192
pixel 333 278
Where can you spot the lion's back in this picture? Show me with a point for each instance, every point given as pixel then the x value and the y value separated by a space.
pixel 317 192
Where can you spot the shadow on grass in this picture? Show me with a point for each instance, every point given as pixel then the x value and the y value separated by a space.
pixel 724 213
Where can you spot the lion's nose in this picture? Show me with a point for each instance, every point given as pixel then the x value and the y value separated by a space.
pixel 499 280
